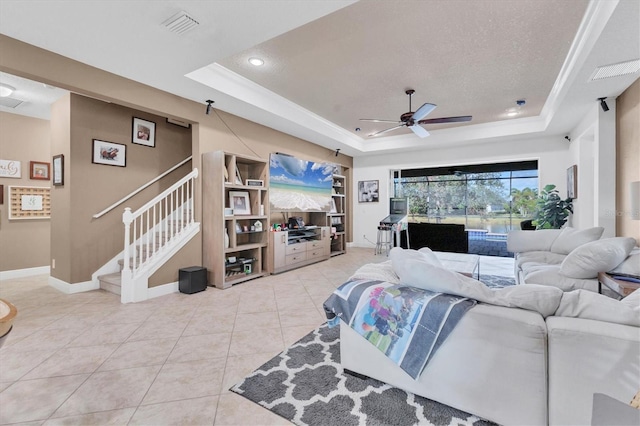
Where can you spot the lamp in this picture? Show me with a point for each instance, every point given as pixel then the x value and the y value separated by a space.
pixel 635 200
pixel 603 104
pixel 6 90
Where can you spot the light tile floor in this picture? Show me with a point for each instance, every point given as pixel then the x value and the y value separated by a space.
pixel 88 359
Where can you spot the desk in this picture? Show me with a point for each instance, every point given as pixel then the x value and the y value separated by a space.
pixel 619 287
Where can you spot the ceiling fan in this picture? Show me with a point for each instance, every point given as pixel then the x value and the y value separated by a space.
pixel 413 119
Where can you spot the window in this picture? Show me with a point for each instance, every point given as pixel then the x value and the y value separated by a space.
pixel 493 198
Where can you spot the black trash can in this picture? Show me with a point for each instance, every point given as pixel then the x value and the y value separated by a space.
pixel 192 279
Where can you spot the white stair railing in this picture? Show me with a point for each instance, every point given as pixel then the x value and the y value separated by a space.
pixel 152 227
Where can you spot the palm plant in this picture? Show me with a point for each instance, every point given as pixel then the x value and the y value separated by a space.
pixel 552 211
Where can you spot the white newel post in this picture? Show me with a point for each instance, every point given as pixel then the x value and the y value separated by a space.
pixel 127 290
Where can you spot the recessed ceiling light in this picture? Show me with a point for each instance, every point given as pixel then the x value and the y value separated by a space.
pixel 256 61
pixel 6 90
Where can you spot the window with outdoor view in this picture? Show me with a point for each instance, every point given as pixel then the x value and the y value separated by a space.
pixel 492 198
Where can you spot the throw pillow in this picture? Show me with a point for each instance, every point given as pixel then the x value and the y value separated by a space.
pixel 572 238
pixel 631 264
pixel 597 256
pixel 586 304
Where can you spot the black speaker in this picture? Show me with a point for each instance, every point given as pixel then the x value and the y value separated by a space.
pixel 192 279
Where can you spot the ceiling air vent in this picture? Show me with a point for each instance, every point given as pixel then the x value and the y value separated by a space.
pixel 10 102
pixel 616 70
pixel 180 23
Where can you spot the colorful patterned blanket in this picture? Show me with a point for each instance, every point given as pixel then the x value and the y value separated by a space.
pixel 407 324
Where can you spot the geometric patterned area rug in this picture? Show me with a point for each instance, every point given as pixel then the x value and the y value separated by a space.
pixel 306 385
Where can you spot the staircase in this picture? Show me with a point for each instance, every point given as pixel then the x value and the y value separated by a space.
pixel 153 234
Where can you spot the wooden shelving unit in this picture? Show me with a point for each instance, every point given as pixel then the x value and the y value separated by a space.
pixel 337 218
pixel 245 257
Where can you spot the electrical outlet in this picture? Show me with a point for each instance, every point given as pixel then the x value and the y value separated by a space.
pixel 53 264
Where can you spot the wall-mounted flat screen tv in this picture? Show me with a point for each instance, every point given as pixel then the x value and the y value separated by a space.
pixel 297 185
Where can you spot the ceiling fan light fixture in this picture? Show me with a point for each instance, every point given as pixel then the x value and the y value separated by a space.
pixel 256 61
pixel 6 90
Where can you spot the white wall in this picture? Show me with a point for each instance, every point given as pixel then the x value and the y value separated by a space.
pixel 552 153
pixel 592 148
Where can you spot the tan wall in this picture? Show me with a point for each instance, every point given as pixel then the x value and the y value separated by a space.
pixel 209 132
pixel 628 158
pixel 23 243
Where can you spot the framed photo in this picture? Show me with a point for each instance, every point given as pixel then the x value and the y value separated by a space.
pixel 572 182
pixel 239 202
pixel 10 169
pixel 38 170
pixel 144 132
pixel 255 182
pixel 58 170
pixel 109 153
pixel 368 191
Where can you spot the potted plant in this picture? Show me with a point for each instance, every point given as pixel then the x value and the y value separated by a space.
pixel 552 211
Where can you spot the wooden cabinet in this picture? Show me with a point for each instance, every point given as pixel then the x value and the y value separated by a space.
pixel 234 243
pixel 337 218
pixel 293 249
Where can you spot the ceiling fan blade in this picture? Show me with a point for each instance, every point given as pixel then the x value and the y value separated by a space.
pixel 423 111
pixel 375 120
pixel 387 130
pixel 420 131
pixel 446 120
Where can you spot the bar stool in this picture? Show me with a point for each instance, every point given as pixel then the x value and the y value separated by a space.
pixel 384 240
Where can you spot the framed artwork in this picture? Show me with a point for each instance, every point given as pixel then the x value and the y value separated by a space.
pixel 109 153
pixel 144 132
pixel 38 170
pixel 572 182
pixel 368 191
pixel 29 202
pixel 239 202
pixel 10 169
pixel 58 170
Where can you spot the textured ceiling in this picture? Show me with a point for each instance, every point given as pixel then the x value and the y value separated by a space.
pixel 331 62
pixel 469 58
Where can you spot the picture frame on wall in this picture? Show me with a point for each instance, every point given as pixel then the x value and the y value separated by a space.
pixel 572 182
pixel 109 153
pixel 39 170
pixel 144 132
pixel 58 170
pixel 239 202
pixel 368 191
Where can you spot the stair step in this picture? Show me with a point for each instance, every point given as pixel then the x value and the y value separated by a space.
pixel 111 282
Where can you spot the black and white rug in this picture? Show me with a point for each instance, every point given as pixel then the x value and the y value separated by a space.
pixel 306 385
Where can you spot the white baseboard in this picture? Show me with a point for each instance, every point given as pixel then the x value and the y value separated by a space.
pixel 67 288
pixel 21 273
pixel 162 290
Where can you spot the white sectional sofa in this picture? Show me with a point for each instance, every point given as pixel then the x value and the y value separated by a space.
pixel 568 258
pixel 525 355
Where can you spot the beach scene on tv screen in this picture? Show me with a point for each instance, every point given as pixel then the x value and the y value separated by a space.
pixel 299 185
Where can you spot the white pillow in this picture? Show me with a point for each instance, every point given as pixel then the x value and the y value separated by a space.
pixel 589 305
pixel 572 238
pixel 416 273
pixel 523 241
pixel 631 264
pixel 597 256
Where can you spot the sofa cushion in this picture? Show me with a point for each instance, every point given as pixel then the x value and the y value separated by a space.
pixel 572 238
pixel 631 264
pixel 540 240
pixel 424 254
pixel 418 273
pixel 597 256
pixel 589 305
pixel 532 273
pixel 545 257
